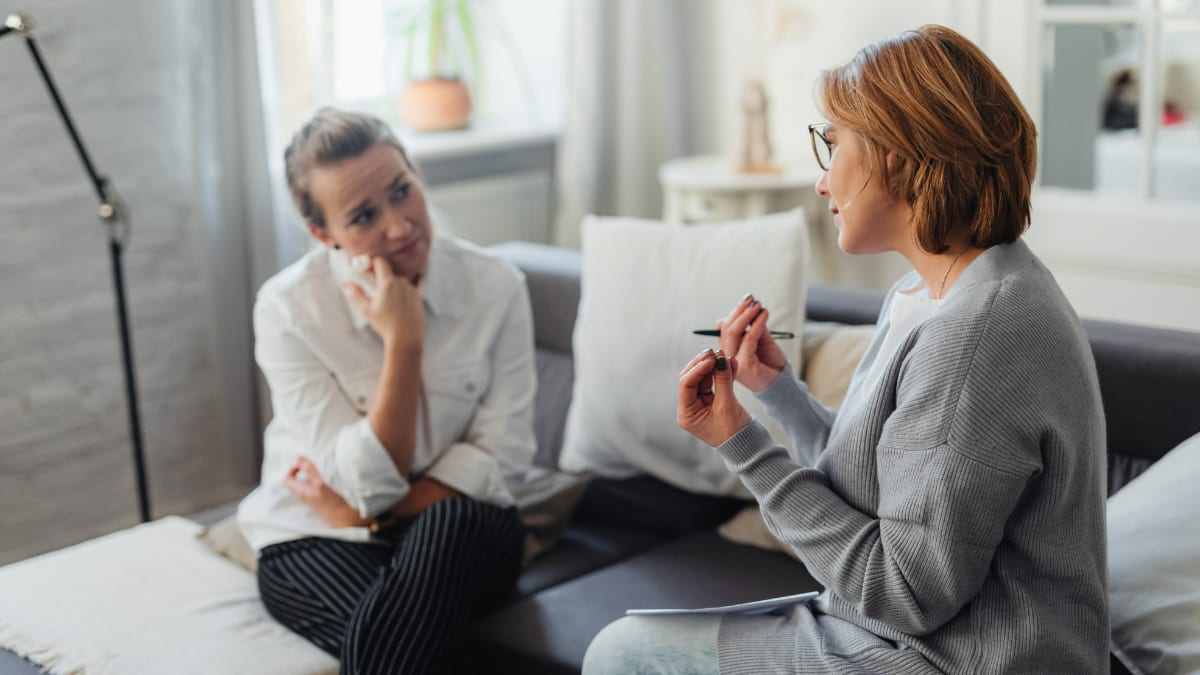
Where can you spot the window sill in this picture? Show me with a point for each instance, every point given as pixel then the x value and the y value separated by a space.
pixel 479 139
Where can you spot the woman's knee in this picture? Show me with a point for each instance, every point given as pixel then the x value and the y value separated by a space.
pixel 643 645
pixel 613 648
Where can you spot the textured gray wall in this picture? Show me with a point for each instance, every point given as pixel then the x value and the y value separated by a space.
pixel 124 69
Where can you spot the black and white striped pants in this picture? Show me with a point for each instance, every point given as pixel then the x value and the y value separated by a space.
pixel 383 608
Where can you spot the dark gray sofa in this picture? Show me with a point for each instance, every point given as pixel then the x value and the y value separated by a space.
pixel 1150 382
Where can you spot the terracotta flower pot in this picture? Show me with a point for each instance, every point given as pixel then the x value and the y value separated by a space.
pixel 435 105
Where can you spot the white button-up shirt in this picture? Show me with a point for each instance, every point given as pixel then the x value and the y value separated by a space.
pixel 322 362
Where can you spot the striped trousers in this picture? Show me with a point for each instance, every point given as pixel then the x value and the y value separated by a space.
pixel 395 607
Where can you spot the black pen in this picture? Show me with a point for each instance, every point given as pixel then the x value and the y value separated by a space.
pixel 777 334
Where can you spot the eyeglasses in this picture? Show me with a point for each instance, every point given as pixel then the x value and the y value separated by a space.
pixel 824 149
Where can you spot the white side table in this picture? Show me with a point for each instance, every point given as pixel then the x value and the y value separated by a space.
pixel 706 188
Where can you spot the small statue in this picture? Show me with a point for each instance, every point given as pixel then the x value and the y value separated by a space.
pixel 754 142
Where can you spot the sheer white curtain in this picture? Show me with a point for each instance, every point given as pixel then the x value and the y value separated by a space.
pixel 637 95
pixel 238 184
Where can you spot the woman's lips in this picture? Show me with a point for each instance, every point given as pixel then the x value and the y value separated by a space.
pixel 405 249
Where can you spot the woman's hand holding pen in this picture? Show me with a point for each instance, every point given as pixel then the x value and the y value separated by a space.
pixel 744 335
pixel 708 408
pixel 395 309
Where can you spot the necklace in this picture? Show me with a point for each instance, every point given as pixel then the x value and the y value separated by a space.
pixel 942 289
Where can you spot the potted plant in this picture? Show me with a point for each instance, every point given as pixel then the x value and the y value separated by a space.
pixel 436 96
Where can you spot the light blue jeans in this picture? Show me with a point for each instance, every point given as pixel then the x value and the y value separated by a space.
pixel 683 644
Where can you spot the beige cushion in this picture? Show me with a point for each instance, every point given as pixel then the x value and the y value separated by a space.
pixel 645 286
pixel 547 502
pixel 224 537
pixel 748 528
pixel 831 353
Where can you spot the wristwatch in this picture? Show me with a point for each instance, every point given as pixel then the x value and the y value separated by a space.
pixel 383 521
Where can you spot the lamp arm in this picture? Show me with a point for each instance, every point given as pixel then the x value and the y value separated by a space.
pixel 17 23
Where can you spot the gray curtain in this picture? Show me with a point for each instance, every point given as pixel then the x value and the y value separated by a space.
pixel 638 94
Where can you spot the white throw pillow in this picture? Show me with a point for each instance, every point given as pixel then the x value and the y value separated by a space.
pixel 646 285
pixel 1154 566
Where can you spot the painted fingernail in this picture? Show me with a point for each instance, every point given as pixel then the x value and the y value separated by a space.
pixel 747 297
pixel 722 363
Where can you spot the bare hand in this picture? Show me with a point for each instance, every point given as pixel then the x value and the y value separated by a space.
pixel 306 483
pixel 744 335
pixel 394 309
pixel 708 408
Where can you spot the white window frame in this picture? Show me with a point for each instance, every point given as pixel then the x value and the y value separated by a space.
pixel 1149 18
pixel 1123 257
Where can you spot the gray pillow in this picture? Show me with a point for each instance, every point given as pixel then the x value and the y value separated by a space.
pixel 1154 566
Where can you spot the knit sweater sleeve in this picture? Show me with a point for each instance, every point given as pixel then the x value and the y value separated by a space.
pixel 805 420
pixel 945 491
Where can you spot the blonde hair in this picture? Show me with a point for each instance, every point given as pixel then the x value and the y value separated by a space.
pixel 965 149
pixel 331 136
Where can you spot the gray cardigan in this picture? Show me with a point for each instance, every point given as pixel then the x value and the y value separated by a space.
pixel 954 508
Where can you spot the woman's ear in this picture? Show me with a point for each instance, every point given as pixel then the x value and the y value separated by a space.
pixel 322 236
pixel 891 160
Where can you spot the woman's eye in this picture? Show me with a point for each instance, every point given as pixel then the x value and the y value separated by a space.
pixel 363 217
pixel 401 192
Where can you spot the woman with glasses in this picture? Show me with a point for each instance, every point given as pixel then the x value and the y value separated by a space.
pixel 953 508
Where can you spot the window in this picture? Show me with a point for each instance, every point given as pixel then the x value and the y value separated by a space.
pixel 355 54
pixel 1120 98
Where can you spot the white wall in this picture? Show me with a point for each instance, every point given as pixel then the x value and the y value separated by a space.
pixel 124 70
pixel 826 36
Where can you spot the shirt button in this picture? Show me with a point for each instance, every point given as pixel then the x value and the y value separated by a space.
pixel 362 400
pixel 470 387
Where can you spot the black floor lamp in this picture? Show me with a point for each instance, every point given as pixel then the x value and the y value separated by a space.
pixel 115 218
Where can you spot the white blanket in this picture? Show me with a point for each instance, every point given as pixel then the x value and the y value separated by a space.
pixel 150 599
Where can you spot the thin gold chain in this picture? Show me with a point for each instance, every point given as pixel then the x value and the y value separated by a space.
pixel 942 290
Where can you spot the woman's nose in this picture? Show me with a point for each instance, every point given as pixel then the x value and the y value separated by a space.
pixel 398 225
pixel 823 185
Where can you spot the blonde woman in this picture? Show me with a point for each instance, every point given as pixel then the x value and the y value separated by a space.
pixel 953 508
pixel 403 394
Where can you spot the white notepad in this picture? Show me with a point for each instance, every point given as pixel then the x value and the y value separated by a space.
pixel 745 608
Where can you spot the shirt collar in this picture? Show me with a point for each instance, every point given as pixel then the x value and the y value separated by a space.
pixel 436 285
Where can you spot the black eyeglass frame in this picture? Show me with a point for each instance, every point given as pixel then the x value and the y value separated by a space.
pixel 816 131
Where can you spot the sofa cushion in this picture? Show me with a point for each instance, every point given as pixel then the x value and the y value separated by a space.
pixel 646 286
pixel 648 504
pixel 1154 566
pixel 582 548
pixel 549 632
pixel 1148 379
pixel 552 274
pixel 556 377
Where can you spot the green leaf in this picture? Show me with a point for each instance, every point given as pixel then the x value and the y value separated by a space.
pixel 468 29
pixel 410 33
pixel 437 37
